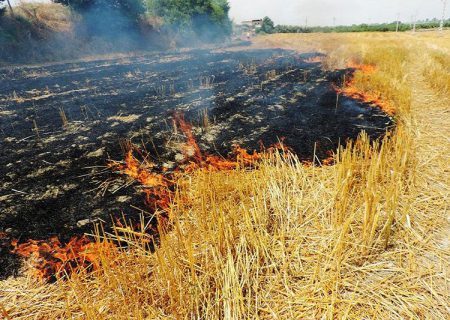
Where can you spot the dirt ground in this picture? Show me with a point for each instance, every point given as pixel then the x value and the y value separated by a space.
pixel 60 123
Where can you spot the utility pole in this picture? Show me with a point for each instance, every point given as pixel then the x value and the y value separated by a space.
pixel 398 22
pixel 414 24
pixel 10 7
pixel 444 7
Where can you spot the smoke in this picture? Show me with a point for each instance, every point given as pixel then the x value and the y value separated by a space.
pixel 122 25
pixel 92 27
pixel 109 29
pixel 50 32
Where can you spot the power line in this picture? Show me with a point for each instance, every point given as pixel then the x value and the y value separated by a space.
pixel 444 7
pixel 398 22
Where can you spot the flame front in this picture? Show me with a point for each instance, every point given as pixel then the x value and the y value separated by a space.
pixel 51 259
pixel 159 185
pixel 191 143
pixel 351 90
pixel 134 169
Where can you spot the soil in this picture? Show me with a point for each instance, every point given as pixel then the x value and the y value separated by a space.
pixel 60 123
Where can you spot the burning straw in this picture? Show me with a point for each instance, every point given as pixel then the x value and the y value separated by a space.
pixel 351 241
pixel 355 87
pixel 51 259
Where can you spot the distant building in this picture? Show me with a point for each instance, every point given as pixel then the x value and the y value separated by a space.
pixel 247 28
pixel 253 24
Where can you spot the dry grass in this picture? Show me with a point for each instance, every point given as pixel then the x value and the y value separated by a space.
pixel 63 116
pixel 364 239
pixel 49 16
pixel 437 71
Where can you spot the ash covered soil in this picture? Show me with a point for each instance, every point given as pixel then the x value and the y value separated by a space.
pixel 52 172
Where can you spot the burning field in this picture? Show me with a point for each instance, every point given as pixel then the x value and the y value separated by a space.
pixel 62 126
pixel 252 183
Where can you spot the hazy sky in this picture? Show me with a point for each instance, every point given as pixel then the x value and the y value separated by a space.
pixel 321 12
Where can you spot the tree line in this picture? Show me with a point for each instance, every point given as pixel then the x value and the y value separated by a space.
pixel 268 26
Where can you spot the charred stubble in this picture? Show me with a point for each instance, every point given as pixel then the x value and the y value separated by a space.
pixel 54 184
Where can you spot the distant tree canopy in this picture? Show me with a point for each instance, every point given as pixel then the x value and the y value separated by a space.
pixel 130 8
pixel 379 27
pixel 109 19
pixel 268 25
pixel 205 18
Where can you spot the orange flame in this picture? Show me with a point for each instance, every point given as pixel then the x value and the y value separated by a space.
pixel 351 90
pixel 157 186
pixel 136 171
pixel 52 259
pixel 365 68
pixel 199 160
pixel 191 143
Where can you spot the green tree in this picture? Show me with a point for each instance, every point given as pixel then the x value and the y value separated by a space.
pixel 208 19
pixel 116 20
pixel 130 8
pixel 268 25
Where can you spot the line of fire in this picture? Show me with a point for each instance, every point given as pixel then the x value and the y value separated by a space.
pixel 101 142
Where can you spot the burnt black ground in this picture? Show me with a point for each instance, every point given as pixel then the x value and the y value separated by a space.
pixel 51 182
